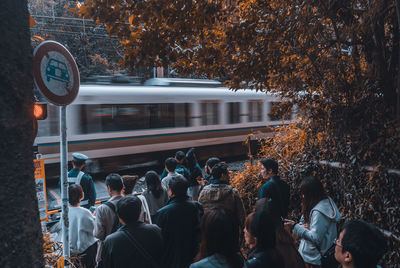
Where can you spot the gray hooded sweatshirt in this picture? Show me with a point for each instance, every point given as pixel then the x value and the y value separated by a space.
pixel 321 233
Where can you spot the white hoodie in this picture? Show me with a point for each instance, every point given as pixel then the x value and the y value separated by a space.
pixel 323 230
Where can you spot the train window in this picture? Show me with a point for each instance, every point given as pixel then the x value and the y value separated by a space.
pixel 233 112
pixel 280 111
pixel 209 113
pixel 182 114
pixel 50 126
pixel 124 117
pixel 255 110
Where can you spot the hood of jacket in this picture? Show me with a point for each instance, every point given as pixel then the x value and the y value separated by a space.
pixel 328 208
pixel 217 192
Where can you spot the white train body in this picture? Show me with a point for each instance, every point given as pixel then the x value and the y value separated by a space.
pixel 115 120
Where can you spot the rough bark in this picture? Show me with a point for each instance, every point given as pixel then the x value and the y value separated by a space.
pixel 20 233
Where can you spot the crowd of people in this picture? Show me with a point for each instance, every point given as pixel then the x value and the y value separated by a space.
pixel 190 218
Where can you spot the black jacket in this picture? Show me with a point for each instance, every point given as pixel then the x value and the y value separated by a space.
pixel 278 191
pixel 180 225
pixel 118 251
pixel 265 259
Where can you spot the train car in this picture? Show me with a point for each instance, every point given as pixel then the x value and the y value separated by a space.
pixel 122 125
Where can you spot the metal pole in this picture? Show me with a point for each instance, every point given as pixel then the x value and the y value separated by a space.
pixel 64 181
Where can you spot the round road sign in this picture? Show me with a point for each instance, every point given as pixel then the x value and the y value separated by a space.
pixel 56 73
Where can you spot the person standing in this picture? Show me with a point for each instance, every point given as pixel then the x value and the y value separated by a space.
pixel 129 184
pixel 77 176
pixel 318 225
pixel 106 214
pixel 81 225
pixel 260 231
pixel 170 166
pixel 156 196
pixel 275 188
pixel 220 194
pixel 180 167
pixel 360 245
pixel 220 241
pixel 180 225
pixel 135 244
pixel 196 174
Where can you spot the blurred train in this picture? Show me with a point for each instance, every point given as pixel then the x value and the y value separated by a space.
pixel 122 125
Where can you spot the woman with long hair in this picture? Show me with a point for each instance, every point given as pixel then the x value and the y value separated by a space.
pixel 129 182
pixel 284 241
pixel 156 195
pixel 219 246
pixel 260 235
pixel 317 228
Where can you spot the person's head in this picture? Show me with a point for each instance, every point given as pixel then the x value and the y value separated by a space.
pixel 129 182
pixel 153 183
pixel 75 194
pixel 263 229
pixel 114 184
pixel 269 168
pixel 249 233
pixel 312 192
pixel 191 157
pixel 180 156
pixel 129 208
pixel 211 162
pixel 220 234
pixel 272 207
pixel 360 244
pixel 178 187
pixel 170 164
pixel 220 172
pixel 79 160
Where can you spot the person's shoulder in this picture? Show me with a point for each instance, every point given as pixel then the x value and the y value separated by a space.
pixel 151 227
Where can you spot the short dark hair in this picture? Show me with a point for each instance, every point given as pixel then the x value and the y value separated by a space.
pixel 211 162
pixel 129 208
pixel 365 243
pixel 114 181
pixel 179 155
pixel 178 186
pixel 78 163
pixel 75 193
pixel 270 163
pixel 218 170
pixel 171 164
pixel 129 182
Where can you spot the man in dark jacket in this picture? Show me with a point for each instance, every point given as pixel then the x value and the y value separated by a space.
pixel 275 188
pixel 119 250
pixel 180 225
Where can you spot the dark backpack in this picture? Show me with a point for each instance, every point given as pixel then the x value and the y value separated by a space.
pixel 116 224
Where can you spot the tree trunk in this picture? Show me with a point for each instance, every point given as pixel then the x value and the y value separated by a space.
pixel 20 231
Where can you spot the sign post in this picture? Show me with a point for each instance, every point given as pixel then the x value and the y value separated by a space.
pixel 57 77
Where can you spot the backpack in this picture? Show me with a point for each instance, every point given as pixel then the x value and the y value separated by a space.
pixel 116 224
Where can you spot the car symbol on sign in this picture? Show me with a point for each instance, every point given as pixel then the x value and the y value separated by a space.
pixel 57 70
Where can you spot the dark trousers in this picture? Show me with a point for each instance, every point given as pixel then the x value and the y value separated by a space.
pixel 88 257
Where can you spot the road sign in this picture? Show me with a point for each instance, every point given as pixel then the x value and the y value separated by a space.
pixel 56 73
